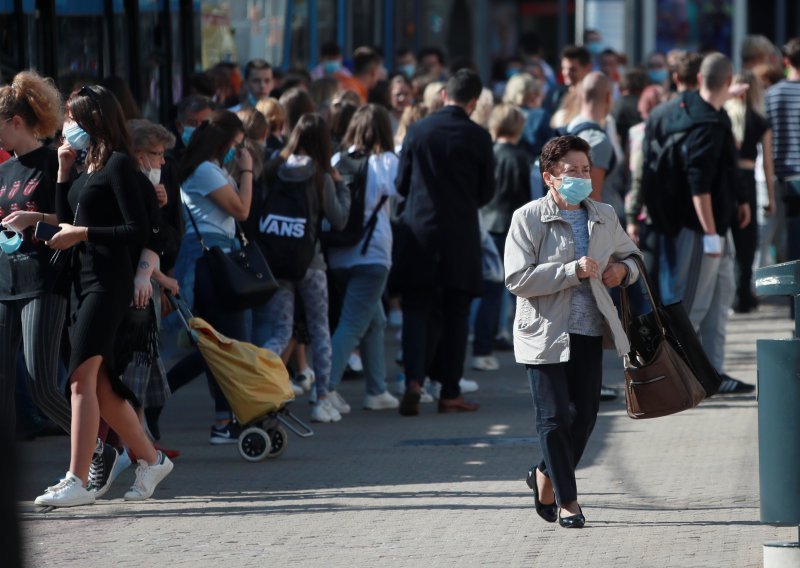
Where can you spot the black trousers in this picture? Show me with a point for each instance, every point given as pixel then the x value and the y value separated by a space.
pixel 435 332
pixel 566 397
pixel 746 242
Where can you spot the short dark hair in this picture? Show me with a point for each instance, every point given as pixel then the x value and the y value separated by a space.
pixel 435 51
pixel 559 147
pixel 464 86
pixel 330 49
pixel 364 58
pixel 791 51
pixel 255 65
pixel 633 80
pixel 577 52
pixel 193 104
pixel 687 66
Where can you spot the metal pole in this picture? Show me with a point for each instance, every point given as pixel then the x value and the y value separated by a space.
pixel 779 22
pixel 580 20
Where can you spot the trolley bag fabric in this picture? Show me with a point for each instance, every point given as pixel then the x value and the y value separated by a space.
pixel 254 380
pixel 658 380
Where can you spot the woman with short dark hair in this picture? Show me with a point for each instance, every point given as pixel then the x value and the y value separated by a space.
pixel 562 253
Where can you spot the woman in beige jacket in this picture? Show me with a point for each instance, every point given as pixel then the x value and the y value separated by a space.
pixel 563 252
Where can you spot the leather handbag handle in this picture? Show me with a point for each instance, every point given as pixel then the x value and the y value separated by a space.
pixel 654 301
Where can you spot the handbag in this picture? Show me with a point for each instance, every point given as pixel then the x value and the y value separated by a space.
pixel 658 379
pixel 243 277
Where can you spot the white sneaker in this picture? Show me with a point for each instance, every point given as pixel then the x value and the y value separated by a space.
pixel 322 411
pixel 69 492
pixel 123 463
pixel 337 402
pixel 148 477
pixel 354 362
pixel 485 363
pixel 297 389
pixel 430 390
pixel 400 384
pixel 381 401
pixel 305 379
pixel 467 385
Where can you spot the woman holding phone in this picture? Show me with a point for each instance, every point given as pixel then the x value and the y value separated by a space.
pixel 103 224
pixel 32 303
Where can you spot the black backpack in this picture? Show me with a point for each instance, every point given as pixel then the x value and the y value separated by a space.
pixel 287 226
pixel 353 169
pixel 665 183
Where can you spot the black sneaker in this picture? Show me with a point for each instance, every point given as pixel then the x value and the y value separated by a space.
pixel 607 393
pixel 103 462
pixel 730 385
pixel 228 434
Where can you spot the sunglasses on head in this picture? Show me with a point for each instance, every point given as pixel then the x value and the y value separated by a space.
pixel 86 91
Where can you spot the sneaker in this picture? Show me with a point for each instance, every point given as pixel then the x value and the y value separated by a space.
pixel 467 385
pixel 607 393
pixel 148 477
pixel 103 461
pixel 485 363
pixel 123 462
pixel 337 402
pixel 323 411
pixel 305 379
pixel 69 492
pixel 400 383
pixel 380 401
pixel 430 391
pixel 228 434
pixel 297 389
pixel 354 362
pixel 395 318
pixel 730 385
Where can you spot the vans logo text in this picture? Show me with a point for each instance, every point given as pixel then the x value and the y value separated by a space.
pixel 283 226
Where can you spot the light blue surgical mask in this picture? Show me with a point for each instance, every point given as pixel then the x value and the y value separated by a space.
pixel 595 48
pixel 574 190
pixel 76 136
pixel 512 71
pixel 658 76
pixel 10 241
pixel 186 135
pixel 331 67
pixel 252 101
pixel 229 156
pixel 408 70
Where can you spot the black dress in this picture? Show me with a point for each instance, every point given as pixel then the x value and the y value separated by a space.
pixel 110 203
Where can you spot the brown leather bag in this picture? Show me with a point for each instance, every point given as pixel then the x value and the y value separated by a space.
pixel 662 383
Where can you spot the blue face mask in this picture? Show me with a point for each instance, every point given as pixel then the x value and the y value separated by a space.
pixel 252 101
pixel 186 135
pixel 513 71
pixel 229 156
pixel 408 70
pixel 595 48
pixel 76 136
pixel 331 67
pixel 574 190
pixel 658 76
pixel 10 241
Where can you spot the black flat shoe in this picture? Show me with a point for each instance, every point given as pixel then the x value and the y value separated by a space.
pixel 573 521
pixel 547 512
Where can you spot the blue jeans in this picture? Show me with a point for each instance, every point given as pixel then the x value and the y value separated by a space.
pixel 566 397
pixel 361 324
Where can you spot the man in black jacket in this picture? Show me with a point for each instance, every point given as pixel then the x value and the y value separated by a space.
pixel 446 174
pixel 696 265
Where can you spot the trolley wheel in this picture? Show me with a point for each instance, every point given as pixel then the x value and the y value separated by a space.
pixel 279 441
pixel 254 444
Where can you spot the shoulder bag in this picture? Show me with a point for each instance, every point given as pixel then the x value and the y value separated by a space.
pixel 242 276
pixel 658 379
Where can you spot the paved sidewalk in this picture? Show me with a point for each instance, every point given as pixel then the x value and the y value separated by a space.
pixel 378 489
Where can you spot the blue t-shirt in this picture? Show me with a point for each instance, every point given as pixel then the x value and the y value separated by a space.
pixel 210 219
pixel 584 317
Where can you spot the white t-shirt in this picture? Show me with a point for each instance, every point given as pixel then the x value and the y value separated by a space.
pixel 381 172
pixel 208 177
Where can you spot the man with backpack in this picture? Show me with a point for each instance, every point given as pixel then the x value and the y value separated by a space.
pixel 692 197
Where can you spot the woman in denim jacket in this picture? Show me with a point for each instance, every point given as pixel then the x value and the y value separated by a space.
pixel 563 252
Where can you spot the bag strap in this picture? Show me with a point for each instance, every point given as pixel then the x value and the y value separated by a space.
pixel 194 224
pixel 654 300
pixel 372 223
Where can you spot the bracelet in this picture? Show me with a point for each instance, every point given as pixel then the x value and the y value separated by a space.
pixel 245 171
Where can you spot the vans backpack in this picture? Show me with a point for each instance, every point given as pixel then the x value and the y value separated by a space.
pixel 288 226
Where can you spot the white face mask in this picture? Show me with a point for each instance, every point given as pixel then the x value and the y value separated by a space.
pixel 154 175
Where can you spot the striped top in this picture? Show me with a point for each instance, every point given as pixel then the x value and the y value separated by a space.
pixel 783 111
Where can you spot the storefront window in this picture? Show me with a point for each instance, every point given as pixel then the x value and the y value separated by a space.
pixel 299 33
pixel 79 32
pixel 698 24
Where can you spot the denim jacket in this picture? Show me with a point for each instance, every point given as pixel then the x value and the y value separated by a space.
pixel 540 268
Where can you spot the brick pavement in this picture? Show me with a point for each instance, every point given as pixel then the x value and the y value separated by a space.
pixel 381 490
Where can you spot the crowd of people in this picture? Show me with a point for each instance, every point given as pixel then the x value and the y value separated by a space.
pixel 427 200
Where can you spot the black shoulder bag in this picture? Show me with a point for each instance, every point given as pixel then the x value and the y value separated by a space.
pixel 242 276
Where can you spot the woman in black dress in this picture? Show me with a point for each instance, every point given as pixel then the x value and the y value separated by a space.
pixel 103 224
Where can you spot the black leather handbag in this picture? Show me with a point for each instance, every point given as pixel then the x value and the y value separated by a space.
pixel 243 277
